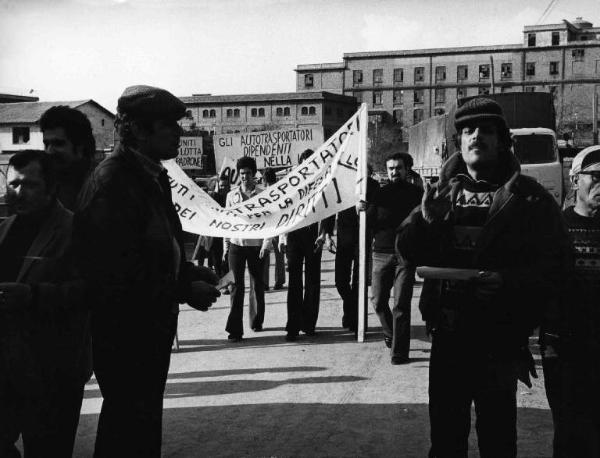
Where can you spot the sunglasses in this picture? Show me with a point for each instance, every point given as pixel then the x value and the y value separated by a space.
pixel 595 174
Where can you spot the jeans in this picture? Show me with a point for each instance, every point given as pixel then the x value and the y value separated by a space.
pixel 239 256
pixel 388 272
pixel 303 299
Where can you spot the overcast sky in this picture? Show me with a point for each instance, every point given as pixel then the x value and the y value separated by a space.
pixel 81 49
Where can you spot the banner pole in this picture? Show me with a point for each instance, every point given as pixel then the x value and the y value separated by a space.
pixel 362 228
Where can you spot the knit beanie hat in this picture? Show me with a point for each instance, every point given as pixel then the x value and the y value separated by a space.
pixel 479 109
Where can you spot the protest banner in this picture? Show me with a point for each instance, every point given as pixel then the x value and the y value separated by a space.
pixel 325 184
pixel 270 148
pixel 190 153
pixel 229 170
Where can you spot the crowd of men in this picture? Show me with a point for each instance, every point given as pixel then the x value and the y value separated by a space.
pixel 93 269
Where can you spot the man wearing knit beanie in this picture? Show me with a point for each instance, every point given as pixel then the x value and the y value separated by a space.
pixel 492 240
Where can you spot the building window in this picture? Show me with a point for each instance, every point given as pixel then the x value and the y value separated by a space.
pixel 20 135
pixel 188 114
pixel 378 76
pixel 377 97
pixel 254 112
pixel 440 95
pixel 461 92
pixel 398 97
pixel 286 111
pixel 484 72
pixel 205 113
pixel 229 113
pixel 555 38
pixel 398 117
pixel 440 73
pixel 578 54
pixel 529 88
pixel 312 111
pixel 531 39
pixel 530 68
pixel 554 68
pixel 102 122
pixel 462 72
pixel 213 114
pixel 398 75
pixel 261 112
pixel 417 115
pixel 308 80
pixel 419 74
pixel 304 111
pixel 279 111
pixel 439 111
pixel 484 90
pixel 419 95
pixel 506 71
pixel 236 112
pixel 357 77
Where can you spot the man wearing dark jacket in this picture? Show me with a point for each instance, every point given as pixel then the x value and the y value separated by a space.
pixel 44 334
pixel 506 229
pixel 131 252
pixel 570 346
pixel 392 204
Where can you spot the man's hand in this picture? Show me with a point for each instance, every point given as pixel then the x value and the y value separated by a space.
pixel 264 252
pixel 361 206
pixel 206 274
pixel 225 255
pixel 526 367
pixel 435 204
pixel 14 296
pixel 281 246
pixel 202 296
pixel 320 241
pixel 487 284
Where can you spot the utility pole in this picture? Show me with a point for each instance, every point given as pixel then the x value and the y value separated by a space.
pixel 492 71
pixel 595 115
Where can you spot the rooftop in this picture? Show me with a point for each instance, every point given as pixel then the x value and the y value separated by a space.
pixel 261 98
pixel 31 112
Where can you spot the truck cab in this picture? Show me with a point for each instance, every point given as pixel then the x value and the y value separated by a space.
pixel 537 151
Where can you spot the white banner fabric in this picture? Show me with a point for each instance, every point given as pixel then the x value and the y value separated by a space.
pixel 323 185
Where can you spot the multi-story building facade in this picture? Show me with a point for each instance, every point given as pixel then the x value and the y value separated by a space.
pixel 222 114
pixel 411 85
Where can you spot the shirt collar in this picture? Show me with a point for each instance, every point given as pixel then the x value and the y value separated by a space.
pixel 154 169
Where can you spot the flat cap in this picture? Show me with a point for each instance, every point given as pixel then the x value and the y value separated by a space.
pixel 150 102
pixel 479 109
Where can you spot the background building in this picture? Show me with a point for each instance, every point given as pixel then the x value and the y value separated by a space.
pixel 405 87
pixel 221 114
pixel 19 124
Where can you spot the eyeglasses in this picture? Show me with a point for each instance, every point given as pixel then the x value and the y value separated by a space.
pixel 595 174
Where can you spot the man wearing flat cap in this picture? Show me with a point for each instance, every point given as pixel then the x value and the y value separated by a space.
pixel 132 255
pixel 571 346
pixel 494 238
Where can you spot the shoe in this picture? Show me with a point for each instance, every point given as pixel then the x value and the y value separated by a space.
pixel 309 332
pixel 234 337
pixel 388 342
pixel 291 337
pixel 257 328
pixel 278 286
pixel 397 360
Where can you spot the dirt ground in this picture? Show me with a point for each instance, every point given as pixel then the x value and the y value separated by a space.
pixel 322 396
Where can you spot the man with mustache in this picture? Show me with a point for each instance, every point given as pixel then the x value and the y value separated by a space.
pixel 501 239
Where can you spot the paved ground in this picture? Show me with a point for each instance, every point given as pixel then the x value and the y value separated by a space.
pixel 322 396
